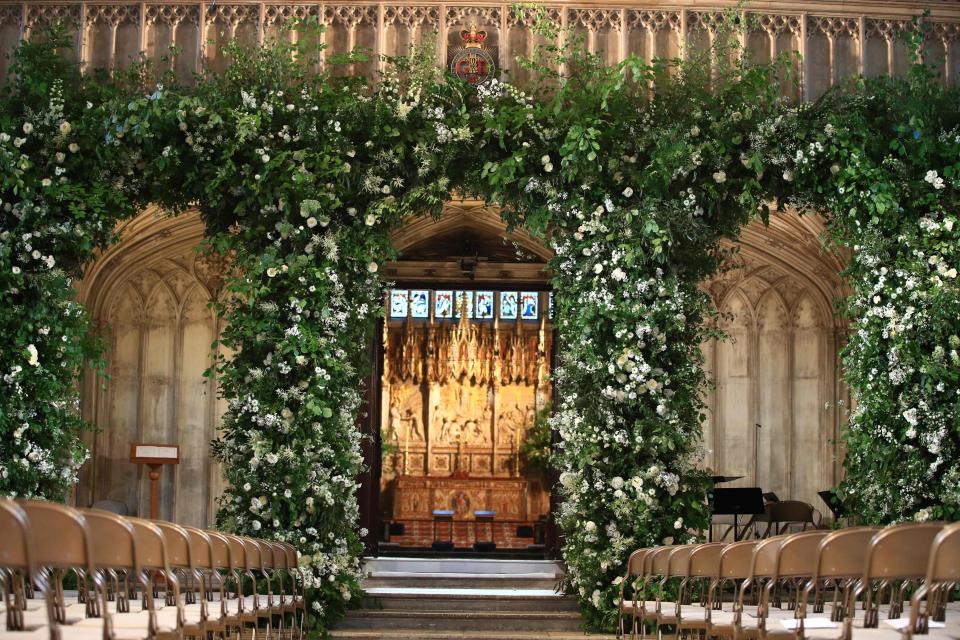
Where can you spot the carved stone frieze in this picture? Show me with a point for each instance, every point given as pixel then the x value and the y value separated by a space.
pixel 113 14
pixel 653 20
pixel 172 14
pixel 412 17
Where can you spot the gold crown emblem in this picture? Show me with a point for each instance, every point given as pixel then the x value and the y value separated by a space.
pixel 472 37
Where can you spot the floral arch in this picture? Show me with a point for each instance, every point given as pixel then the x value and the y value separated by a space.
pixel 301 178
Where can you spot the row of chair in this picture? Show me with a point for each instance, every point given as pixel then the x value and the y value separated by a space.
pixel 776 587
pixel 140 579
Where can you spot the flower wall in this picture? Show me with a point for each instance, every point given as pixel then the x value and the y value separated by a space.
pixel 300 178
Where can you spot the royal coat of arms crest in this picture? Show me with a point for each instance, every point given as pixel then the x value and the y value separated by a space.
pixel 472 63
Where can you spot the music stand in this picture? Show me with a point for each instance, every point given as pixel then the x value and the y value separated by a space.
pixel 833 501
pixel 739 501
pixel 770 496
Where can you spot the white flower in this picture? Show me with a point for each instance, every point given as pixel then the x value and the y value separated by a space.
pixel 311 222
pixel 36 254
pixel 15 270
pixel 272 272
pixel 34 359
pixel 287 493
pixel 617 482
pixel 590 526
pixel 46 182
pixel 61 156
pixel 678 524
pixel 934 179
pixel 910 415
pixel 548 167
pixel 788 175
pixel 246 486
pixel 372 267
pixel 628 192
pixel 371 220
pixel 256 525
pixel 65 127
pixel 828 129
pixel 694 130
pixel 74 147
pixel 597 268
pixel 545 160
pixel 618 274
pixel 27 128
pixel 834 169
pixel 720 177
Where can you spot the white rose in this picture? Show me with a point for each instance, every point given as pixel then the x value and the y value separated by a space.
pixel 597 268
pixel 27 128
pixel 617 482
pixel 788 175
pixel 548 167
pixel 545 159
pixel 694 130
pixel 311 222
pixel 720 177
pixel 74 147
pixel 246 486
pixel 65 127
pixel 15 270
pixel 272 272
pixel 834 169
pixel 590 526
pixel 371 219
pixel 34 359
pixel 256 525
pixel 372 267
pixel 627 192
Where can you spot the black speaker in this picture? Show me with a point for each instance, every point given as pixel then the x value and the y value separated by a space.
pixel 484 546
pixel 442 545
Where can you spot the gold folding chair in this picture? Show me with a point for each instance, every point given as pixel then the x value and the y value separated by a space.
pixel 633 576
pixel 704 568
pixel 735 562
pixel 16 562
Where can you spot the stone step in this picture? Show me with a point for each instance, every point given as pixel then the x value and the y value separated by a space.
pixel 457 621
pixel 461 580
pixel 399 634
pixel 464 599
pixel 473 566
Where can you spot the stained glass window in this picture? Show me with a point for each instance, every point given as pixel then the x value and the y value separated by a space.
pixel 458 309
pixel 443 304
pixel 529 305
pixel 484 305
pixel 398 303
pixel 420 303
pixel 508 305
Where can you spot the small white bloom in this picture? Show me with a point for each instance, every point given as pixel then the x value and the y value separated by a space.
pixel 311 222
pixel 371 220
pixel 545 159
pixel 694 130
pixel 720 176
pixel 65 127
pixel 597 268
pixel 27 128
pixel 256 525
pixel 788 175
pixel 272 272
pixel 372 267
pixel 34 359
pixel 74 147
pixel 628 192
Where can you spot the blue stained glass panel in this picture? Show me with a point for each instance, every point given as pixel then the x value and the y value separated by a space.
pixel 508 305
pixel 529 305
pixel 398 303
pixel 443 304
pixel 484 305
pixel 420 303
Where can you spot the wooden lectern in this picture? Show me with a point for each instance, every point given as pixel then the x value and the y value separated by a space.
pixel 154 456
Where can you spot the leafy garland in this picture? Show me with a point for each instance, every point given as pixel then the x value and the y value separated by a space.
pixel 300 177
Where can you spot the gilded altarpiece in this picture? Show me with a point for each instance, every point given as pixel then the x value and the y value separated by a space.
pixel 459 396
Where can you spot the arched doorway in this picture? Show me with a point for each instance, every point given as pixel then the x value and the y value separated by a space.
pixel 461 376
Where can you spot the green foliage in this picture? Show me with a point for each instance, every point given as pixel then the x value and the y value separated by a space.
pixel 633 174
pixel 535 450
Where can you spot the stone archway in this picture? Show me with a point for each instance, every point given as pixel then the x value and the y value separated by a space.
pixel 149 297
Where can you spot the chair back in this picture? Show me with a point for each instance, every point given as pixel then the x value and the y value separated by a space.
pixel 60 536
pixel 945 556
pixel 635 563
pixel 177 542
pixel 254 554
pixel 660 561
pixel 736 560
pixel 201 548
pixel 763 564
pixel 220 551
pixel 843 554
pixel 16 549
pixel 798 553
pixel 113 540
pixel 151 549
pixel 899 553
pixel 705 560
pixel 678 564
